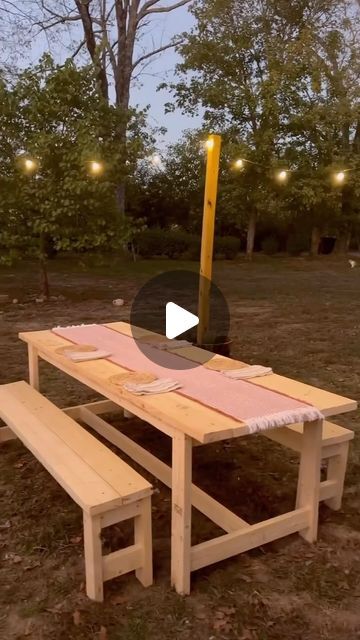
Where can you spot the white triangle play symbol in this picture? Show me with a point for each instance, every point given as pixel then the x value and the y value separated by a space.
pixel 178 320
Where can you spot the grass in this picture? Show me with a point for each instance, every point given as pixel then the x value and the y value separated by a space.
pixel 300 316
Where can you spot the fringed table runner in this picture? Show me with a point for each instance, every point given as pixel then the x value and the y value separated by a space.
pixel 258 408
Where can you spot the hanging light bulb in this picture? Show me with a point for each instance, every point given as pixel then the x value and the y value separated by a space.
pixel 156 160
pixel 209 144
pixel 96 168
pixel 282 175
pixel 30 165
pixel 239 164
pixel 340 177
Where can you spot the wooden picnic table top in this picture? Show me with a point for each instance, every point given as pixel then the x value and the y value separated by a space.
pixel 171 410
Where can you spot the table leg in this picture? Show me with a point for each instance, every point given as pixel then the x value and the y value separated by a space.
pixel 181 513
pixel 309 476
pixel 33 367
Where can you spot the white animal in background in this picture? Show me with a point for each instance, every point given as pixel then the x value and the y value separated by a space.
pixel 352 263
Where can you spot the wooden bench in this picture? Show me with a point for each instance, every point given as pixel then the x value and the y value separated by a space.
pixel 335 449
pixel 104 486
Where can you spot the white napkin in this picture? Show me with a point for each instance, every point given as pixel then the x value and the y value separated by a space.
pixel 83 356
pixel 162 385
pixel 254 371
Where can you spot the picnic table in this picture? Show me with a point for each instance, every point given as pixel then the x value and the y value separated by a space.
pixel 189 423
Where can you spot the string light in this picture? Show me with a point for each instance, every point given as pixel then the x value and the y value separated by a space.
pixel 96 168
pixel 340 177
pixel 30 165
pixel 239 164
pixel 282 176
pixel 156 160
pixel 209 144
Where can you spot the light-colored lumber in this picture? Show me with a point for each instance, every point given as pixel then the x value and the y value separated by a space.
pixel 93 557
pixel 256 535
pixel 125 512
pixel 115 472
pixel 336 471
pixel 181 513
pixel 6 434
pixel 328 403
pixel 219 514
pixel 143 538
pixel 33 367
pixel 119 562
pixel 308 493
pixel 291 436
pixel 328 489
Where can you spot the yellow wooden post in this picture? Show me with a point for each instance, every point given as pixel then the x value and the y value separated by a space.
pixel 213 146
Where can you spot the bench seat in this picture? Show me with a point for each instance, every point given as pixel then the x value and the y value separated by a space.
pixel 334 449
pixel 106 488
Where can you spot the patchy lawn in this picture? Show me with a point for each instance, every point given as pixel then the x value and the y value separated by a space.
pixel 303 318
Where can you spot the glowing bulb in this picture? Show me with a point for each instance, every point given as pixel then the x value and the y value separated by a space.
pixel 30 165
pixel 282 176
pixel 209 144
pixel 239 164
pixel 156 160
pixel 340 177
pixel 96 167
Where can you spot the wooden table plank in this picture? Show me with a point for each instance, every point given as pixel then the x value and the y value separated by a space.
pixel 166 412
pixel 328 403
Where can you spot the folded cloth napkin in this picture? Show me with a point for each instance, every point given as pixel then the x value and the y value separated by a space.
pixel 162 385
pixel 82 356
pixel 171 344
pixel 254 371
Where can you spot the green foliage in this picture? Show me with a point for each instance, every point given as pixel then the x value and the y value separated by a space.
pixel 280 81
pixel 161 242
pixel 227 246
pixel 54 115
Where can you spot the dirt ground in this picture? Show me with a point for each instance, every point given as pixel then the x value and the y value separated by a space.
pixel 302 317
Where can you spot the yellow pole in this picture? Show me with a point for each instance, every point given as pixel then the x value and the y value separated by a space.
pixel 213 146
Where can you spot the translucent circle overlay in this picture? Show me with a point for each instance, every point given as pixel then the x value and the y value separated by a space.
pixel 181 287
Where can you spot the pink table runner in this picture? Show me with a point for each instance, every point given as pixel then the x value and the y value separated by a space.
pixel 257 407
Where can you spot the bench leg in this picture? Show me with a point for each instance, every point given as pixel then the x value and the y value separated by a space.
pixel 143 536
pixel 93 557
pixel 336 471
pixel 33 367
pixel 309 477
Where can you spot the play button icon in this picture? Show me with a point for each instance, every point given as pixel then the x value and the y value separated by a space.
pixel 178 320
pixel 166 307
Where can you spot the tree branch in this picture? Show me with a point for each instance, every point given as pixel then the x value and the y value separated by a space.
pixel 147 8
pixel 155 52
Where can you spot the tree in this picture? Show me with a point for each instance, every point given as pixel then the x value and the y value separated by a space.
pixel 253 68
pixel 54 117
pixel 111 34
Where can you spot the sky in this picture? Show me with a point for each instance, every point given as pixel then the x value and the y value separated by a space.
pixel 144 92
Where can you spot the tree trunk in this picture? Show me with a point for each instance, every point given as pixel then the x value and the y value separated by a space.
pixel 250 238
pixel 315 241
pixel 342 243
pixel 44 280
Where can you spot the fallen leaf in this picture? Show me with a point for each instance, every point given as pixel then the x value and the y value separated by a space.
pixel 27 631
pixel 5 525
pixel 77 618
pixel 76 539
pixel 228 611
pixel 29 567
pixel 103 634
pixel 15 559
